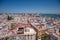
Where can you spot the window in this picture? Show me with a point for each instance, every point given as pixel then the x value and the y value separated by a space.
pixel 59 30
pixel 20 29
pixel 27 30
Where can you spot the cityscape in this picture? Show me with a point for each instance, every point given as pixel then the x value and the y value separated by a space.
pixel 29 19
pixel 29 27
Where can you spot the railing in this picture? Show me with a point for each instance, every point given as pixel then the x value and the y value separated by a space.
pixel 20 37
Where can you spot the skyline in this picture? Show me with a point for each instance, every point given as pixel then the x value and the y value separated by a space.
pixel 29 6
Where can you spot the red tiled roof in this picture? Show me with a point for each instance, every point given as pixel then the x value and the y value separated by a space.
pixel 28 26
pixel 9 30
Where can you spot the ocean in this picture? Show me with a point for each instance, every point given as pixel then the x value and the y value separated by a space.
pixel 51 15
pixel 47 15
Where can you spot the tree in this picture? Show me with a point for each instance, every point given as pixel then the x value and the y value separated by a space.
pixel 9 18
pixel 45 37
pixel 13 25
pixel 6 38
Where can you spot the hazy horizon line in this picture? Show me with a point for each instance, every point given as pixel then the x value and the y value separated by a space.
pixel 29 13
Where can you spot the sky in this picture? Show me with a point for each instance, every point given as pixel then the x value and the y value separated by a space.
pixel 29 6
